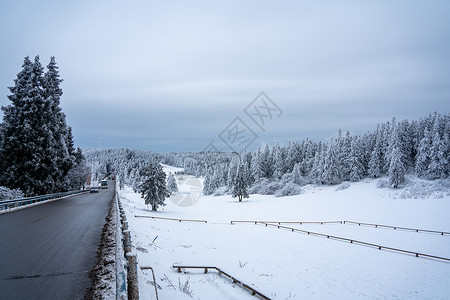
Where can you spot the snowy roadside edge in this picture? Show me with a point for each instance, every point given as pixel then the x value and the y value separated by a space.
pixel 103 274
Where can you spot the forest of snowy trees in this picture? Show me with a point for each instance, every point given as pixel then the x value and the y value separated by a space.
pixel 393 149
pixel 37 154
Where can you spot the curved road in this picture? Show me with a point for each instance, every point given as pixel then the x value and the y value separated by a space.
pixel 47 251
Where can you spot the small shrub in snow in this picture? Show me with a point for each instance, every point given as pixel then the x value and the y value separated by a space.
pixel 290 189
pixel 382 183
pixel 286 178
pixel 271 188
pixel 258 186
pixel 221 191
pixel 343 186
pixel 242 264
pixel 7 194
pixel 185 287
pixel 423 189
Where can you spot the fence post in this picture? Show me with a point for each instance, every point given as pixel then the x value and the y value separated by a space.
pixel 126 242
pixel 133 289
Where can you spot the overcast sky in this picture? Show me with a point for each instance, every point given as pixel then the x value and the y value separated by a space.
pixel 172 75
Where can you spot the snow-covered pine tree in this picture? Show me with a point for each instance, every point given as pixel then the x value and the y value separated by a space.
pixel 27 160
pixel 423 155
pixel 34 143
pixel 438 166
pixel 234 164
pixel 239 187
pixel 246 159
pixel 266 163
pixel 297 176
pixel 172 186
pixel 62 136
pixel 376 157
pixel 307 160
pixel 278 162
pixel 343 147
pixel 153 188
pixel 255 165
pixel 397 168
pixel 78 173
pixel 330 168
pixel 385 137
pixel 207 189
pixel 406 137
pixel 293 156
pixel 354 161
pixel 316 174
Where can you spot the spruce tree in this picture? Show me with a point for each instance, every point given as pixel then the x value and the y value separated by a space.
pixel 397 168
pixel 266 163
pixel 26 140
pixel 172 186
pixel 153 187
pixel 78 173
pixel 354 161
pixel 62 134
pixel 278 162
pixel 376 157
pixel 424 155
pixel 330 167
pixel 239 188
pixel 33 144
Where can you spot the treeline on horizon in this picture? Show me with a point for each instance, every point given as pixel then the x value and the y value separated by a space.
pixel 393 149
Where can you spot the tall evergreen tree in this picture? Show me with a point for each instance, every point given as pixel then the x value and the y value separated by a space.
pixel 255 166
pixel 266 163
pixel 153 188
pixel 239 188
pixel 77 175
pixel 33 145
pixel 354 161
pixel 376 157
pixel 330 167
pixel 26 135
pixel 172 186
pixel 397 168
pixel 278 162
pixel 62 134
pixel 424 155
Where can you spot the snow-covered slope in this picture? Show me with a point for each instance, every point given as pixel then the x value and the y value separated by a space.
pixel 288 265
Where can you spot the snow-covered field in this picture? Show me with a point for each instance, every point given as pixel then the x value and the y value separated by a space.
pixel 287 265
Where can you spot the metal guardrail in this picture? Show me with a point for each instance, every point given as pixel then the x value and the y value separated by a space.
pixel 352 241
pixel 170 219
pixel 121 280
pixel 247 287
pixel 7 204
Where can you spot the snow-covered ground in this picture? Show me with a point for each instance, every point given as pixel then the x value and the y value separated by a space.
pixel 288 265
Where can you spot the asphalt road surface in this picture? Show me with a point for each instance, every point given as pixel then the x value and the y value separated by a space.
pixel 47 251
